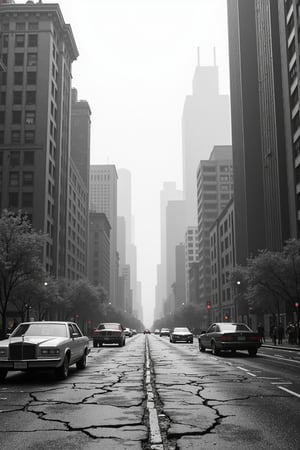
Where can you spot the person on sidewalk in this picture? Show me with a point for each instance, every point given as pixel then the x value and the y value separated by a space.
pixel 274 334
pixel 261 332
pixel 280 333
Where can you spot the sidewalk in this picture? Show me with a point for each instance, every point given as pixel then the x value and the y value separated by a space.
pixel 284 345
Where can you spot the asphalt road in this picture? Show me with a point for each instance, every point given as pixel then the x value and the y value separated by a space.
pixel 152 394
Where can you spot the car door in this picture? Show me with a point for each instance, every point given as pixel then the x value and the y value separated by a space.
pixel 205 338
pixel 75 343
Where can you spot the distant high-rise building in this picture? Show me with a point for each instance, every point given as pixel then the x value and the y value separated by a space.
pixel 99 251
pixel 191 255
pixel 215 189
pixel 103 198
pixel 205 123
pixel 264 211
pixel 179 285
pixel 175 229
pixel 37 50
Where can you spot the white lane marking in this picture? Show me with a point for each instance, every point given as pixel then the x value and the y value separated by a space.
pixel 246 370
pixel 281 359
pixel 288 391
pixel 155 436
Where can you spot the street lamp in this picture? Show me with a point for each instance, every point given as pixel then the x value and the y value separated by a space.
pixel 238 283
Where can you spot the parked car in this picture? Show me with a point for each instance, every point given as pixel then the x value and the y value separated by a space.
pixel 44 345
pixel 181 334
pixel 164 332
pixel 109 333
pixel 128 332
pixel 229 336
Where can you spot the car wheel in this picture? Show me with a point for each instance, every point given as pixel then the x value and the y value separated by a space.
pixel 95 344
pixel 124 342
pixel 3 373
pixel 252 351
pixel 191 342
pixel 81 364
pixel 201 347
pixel 62 372
pixel 214 349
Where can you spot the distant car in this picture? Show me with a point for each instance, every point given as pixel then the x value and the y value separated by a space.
pixel 164 332
pixel 128 332
pixel 181 334
pixel 44 345
pixel 157 331
pixel 147 331
pixel 109 333
pixel 229 336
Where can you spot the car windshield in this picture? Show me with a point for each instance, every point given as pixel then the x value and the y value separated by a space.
pixel 234 327
pixel 40 329
pixel 181 330
pixel 109 326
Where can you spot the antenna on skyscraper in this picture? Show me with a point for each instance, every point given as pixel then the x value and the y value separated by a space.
pixel 198 56
pixel 215 58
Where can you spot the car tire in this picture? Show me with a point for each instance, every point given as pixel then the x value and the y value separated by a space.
pixel 3 373
pixel 252 351
pixel 201 347
pixel 95 344
pixel 192 341
pixel 121 343
pixel 124 342
pixel 215 350
pixel 62 372
pixel 81 364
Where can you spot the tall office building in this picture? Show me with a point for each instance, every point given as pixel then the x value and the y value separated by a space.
pixel 179 285
pixel 37 49
pixel 205 123
pixel 215 189
pixel 191 256
pixel 103 198
pixel 263 217
pixel 168 193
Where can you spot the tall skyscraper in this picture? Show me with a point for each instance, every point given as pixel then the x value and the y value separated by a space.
pixel 191 256
pixel 37 50
pixel 168 193
pixel 103 198
pixel 205 123
pixel 215 189
pixel 260 161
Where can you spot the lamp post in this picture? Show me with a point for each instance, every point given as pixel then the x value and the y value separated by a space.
pixel 238 283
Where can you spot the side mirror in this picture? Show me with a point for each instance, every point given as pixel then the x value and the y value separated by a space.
pixel 75 335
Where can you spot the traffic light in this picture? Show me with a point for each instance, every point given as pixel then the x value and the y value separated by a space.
pixel 208 305
pixel 226 317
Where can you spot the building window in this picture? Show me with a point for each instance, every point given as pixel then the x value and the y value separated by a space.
pixel 27 178
pixel 13 199
pixel 29 137
pixel 1 137
pixel 16 117
pixel 29 158
pixel 30 117
pixel 20 40
pixel 18 78
pixel 5 40
pixel 2 98
pixel 31 78
pixel 30 97
pixel 19 59
pixel 27 199
pixel 32 59
pixel 13 179
pixel 15 137
pixel 1 158
pixel 2 116
pixel 14 159
pixel 17 98
pixel 32 40
pixel 33 26
pixel 20 26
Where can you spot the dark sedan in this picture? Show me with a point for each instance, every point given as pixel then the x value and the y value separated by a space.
pixel 181 334
pixel 109 333
pixel 229 337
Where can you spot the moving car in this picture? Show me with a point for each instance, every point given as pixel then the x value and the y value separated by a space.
pixel 229 336
pixel 128 332
pixel 109 333
pixel 164 332
pixel 147 331
pixel 156 331
pixel 44 345
pixel 181 334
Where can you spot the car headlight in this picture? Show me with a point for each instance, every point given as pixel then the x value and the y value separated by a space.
pixel 3 352
pixel 50 351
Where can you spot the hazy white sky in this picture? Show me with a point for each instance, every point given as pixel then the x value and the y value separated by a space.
pixel 136 64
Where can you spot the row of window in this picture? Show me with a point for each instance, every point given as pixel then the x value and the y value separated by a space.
pixel 20 61
pixel 16 158
pixel 21 26
pixel 17 117
pixel 21 40
pixel 14 199
pixel 16 137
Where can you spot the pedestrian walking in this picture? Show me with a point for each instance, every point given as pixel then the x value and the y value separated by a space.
pixel 274 334
pixel 291 332
pixel 280 333
pixel 261 332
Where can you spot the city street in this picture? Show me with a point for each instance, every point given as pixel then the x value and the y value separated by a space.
pixel 198 399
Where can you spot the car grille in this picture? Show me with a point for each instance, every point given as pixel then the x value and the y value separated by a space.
pixel 22 350
pixel 110 333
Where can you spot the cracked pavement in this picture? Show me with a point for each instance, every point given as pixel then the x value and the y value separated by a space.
pixel 202 402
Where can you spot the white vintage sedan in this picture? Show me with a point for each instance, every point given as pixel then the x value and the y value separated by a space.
pixel 44 345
